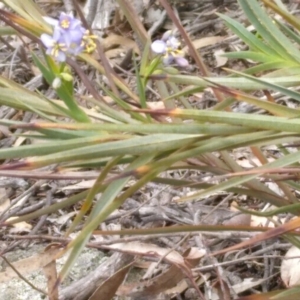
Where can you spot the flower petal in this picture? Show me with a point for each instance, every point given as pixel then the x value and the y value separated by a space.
pixel 173 42
pixel 168 59
pixel 167 35
pixel 61 56
pixel 159 47
pixel 47 40
pixel 75 24
pixel 181 61
pixel 75 49
pixel 76 35
pixel 51 21
pixel 57 34
pixel 68 22
pixel 49 51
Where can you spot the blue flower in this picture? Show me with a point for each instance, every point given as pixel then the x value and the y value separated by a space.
pixel 169 47
pixel 55 45
pixel 69 38
pixel 71 29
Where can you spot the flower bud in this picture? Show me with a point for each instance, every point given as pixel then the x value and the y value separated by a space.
pixel 56 84
pixel 66 76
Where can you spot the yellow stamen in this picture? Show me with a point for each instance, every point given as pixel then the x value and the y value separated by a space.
pixel 65 24
pixel 178 53
pixel 57 48
pixel 88 36
pixel 88 43
pixel 54 52
pixel 90 47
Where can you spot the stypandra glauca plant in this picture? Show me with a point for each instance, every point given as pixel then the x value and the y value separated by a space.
pixel 129 144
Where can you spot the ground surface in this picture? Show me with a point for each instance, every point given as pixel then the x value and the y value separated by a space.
pixel 245 272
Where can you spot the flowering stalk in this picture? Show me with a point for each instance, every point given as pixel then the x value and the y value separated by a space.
pixel 60 78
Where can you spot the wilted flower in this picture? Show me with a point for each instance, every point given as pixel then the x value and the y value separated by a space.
pixel 169 47
pixel 69 37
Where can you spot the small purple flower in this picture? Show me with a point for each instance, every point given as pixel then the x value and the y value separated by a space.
pixel 71 29
pixel 69 37
pixel 55 46
pixel 68 22
pixel 169 47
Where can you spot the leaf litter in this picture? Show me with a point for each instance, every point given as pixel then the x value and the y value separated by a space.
pixel 178 264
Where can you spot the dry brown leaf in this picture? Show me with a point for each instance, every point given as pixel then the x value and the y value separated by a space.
pixel 180 287
pixel 262 221
pixel 248 283
pixel 51 276
pixel 249 163
pixel 35 70
pixel 222 289
pixel 86 184
pixel 20 140
pixel 290 267
pixel 114 40
pixel 63 219
pixel 149 249
pixel 114 53
pixel 19 227
pixel 29 265
pixel 238 220
pixel 221 60
pixel 168 279
pixel 203 42
pixel 109 287
pixel 156 105
pixel 183 285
